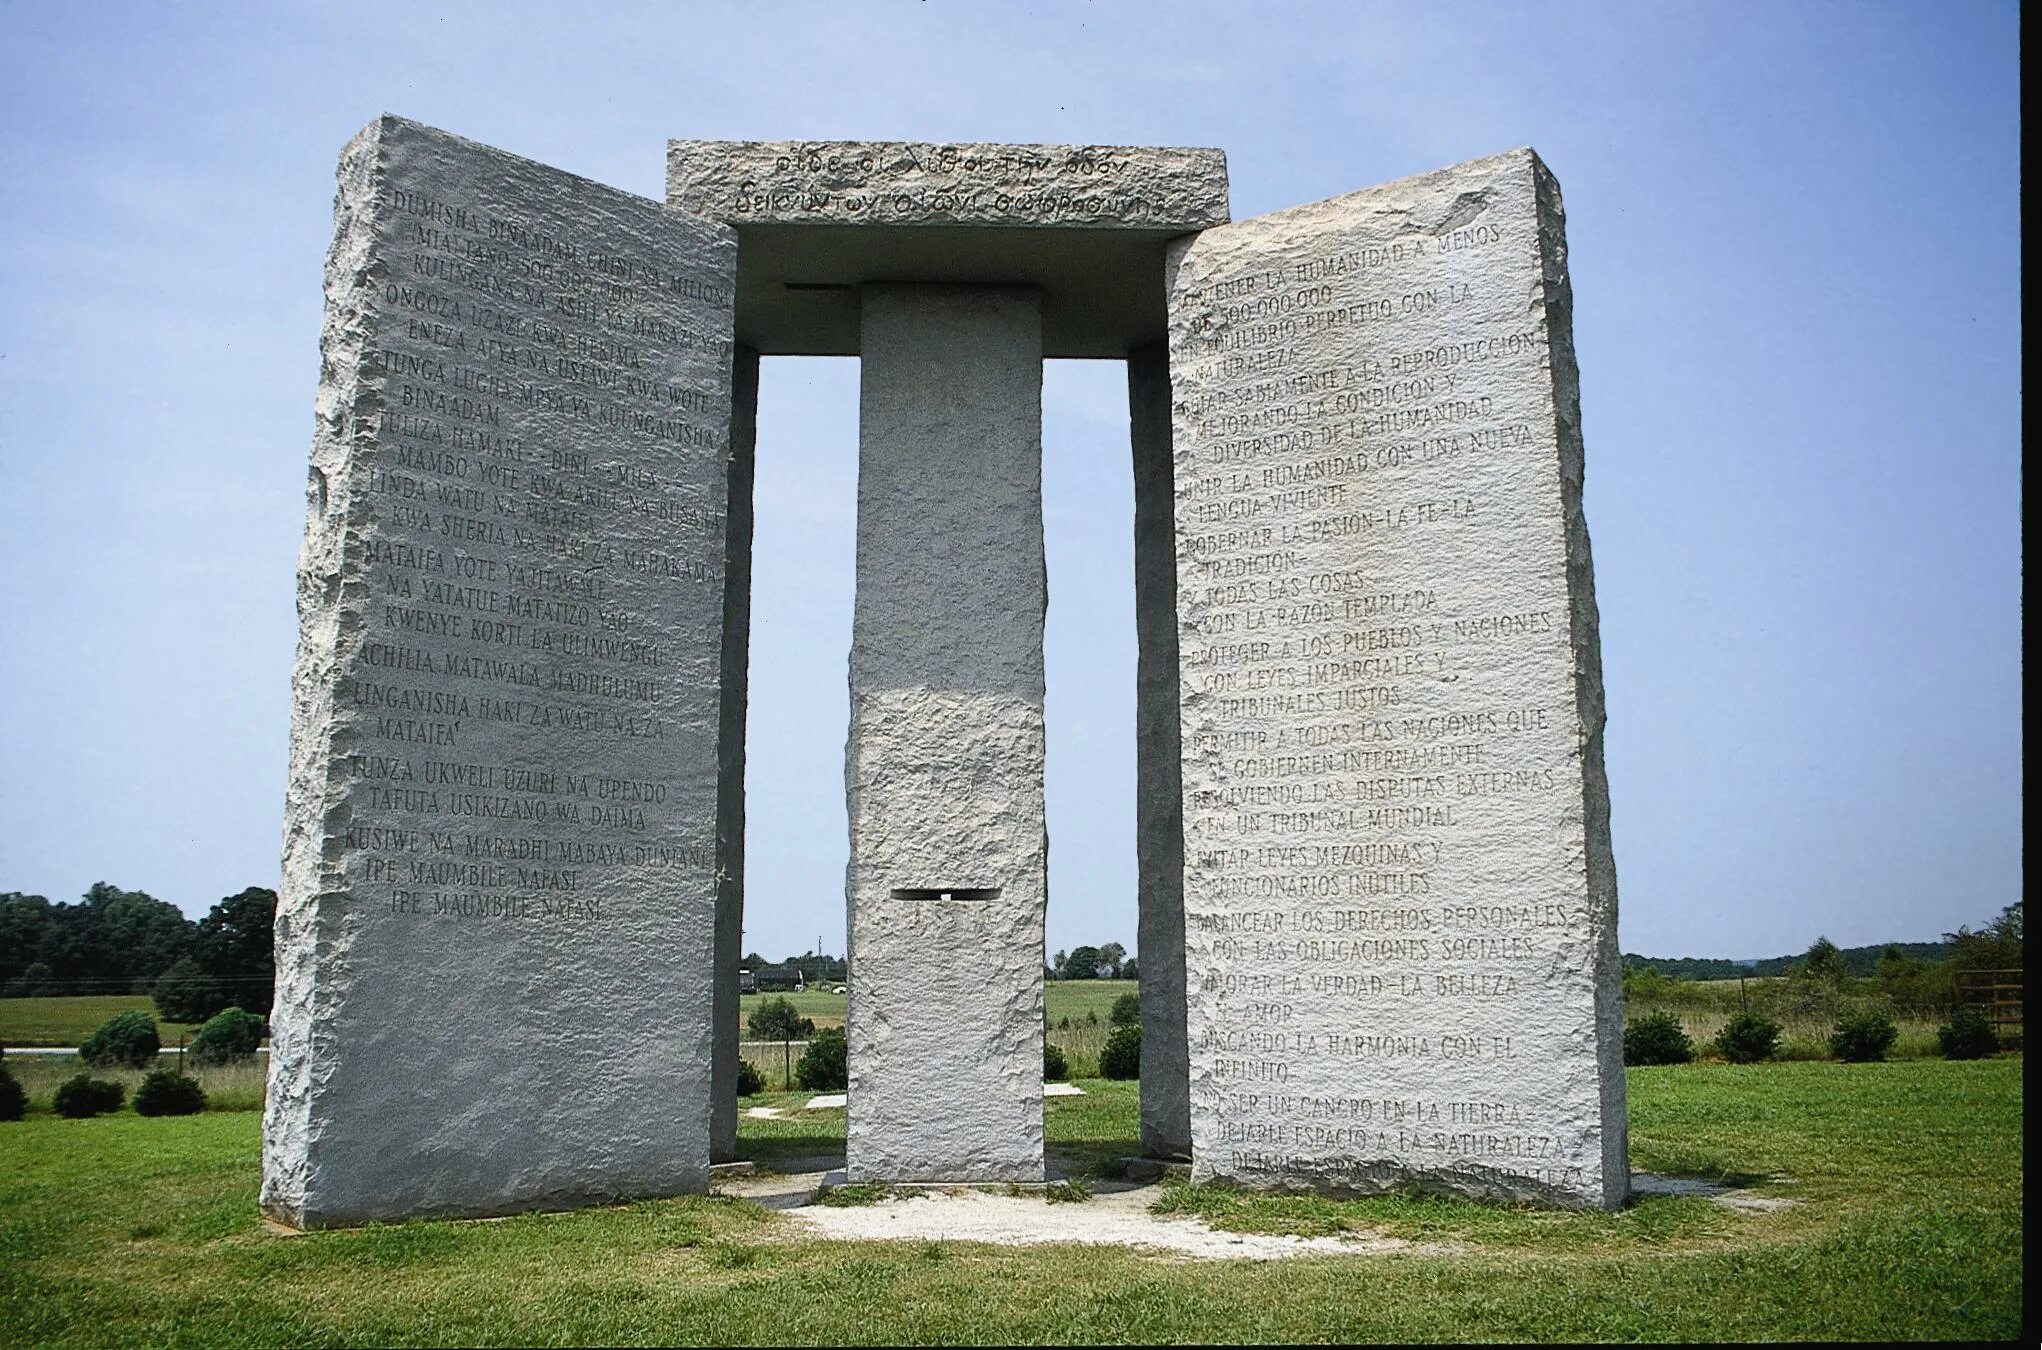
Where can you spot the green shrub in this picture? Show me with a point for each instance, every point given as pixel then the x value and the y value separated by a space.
pixel 750 1082
pixel 776 1020
pixel 230 1035
pixel 1055 1068
pixel 1967 1036
pixel 1122 1055
pixel 823 1067
pixel 1127 1010
pixel 1863 1038
pixel 167 1092
pixel 88 1096
pixel 1657 1038
pixel 128 1039
pixel 13 1101
pixel 1748 1038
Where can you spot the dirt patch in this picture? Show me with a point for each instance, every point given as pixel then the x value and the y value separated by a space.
pixel 1117 1217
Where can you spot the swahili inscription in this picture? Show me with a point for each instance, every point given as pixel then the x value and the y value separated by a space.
pixel 502 803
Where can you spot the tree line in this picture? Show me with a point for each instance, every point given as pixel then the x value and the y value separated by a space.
pixel 1914 976
pixel 115 941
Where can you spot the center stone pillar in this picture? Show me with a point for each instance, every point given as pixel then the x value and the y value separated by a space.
pixel 944 767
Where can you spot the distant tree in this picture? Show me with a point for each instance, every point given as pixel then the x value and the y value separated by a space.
pixel 1824 963
pixel 1056 965
pixel 24 925
pixel 1114 955
pixel 1129 970
pixel 1997 946
pixel 34 982
pixel 776 1020
pixel 1082 964
pixel 185 993
pixel 235 944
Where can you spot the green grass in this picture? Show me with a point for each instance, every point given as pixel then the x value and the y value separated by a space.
pixel 70 1019
pixel 1908 1179
pixel 1072 999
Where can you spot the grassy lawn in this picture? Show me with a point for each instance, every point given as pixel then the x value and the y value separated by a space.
pixel 70 1019
pixel 1907 1178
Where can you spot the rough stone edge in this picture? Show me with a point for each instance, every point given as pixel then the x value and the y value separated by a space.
pixel 348 404
pixel 309 934
pixel 1205 161
pixel 1159 770
pixel 1590 708
pixel 730 752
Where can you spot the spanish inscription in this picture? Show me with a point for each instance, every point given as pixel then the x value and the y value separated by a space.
pixel 1398 947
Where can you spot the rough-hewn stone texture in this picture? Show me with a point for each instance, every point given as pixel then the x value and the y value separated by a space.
pixel 1400 904
pixel 912 183
pixel 944 768
pixel 737 636
pixel 500 848
pixel 1159 799
pixel 1084 225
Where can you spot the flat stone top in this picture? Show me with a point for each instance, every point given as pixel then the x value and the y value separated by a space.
pixel 1167 188
pixel 1085 224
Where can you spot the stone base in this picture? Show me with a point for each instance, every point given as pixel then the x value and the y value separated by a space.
pixel 723 1171
pixel 1144 1169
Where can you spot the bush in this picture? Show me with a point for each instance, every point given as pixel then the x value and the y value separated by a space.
pixel 822 1067
pixel 13 1101
pixel 750 1082
pixel 87 1096
pixel 1657 1038
pixel 1055 1068
pixel 776 1020
pixel 1967 1036
pixel 1863 1038
pixel 1122 1055
pixel 167 1092
pixel 231 1035
pixel 128 1039
pixel 1748 1038
pixel 1127 1010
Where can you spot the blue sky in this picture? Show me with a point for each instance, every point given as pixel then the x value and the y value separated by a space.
pixel 1794 234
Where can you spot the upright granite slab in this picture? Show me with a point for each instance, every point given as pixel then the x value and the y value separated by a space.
pixel 944 769
pixel 1400 901
pixel 500 851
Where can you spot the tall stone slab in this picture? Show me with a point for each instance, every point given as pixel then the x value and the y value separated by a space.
pixel 944 767
pixel 500 850
pixel 1400 901
pixel 1159 779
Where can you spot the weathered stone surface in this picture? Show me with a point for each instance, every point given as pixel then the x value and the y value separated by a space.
pixel 944 768
pixel 500 849
pixel 1400 903
pixel 911 183
pixel 1159 786
pixel 1084 225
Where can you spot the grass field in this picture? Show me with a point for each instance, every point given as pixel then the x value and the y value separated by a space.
pixel 1907 1180
pixel 69 1020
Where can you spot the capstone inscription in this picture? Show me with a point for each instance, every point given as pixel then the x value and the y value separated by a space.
pixel 910 183
pixel 500 846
